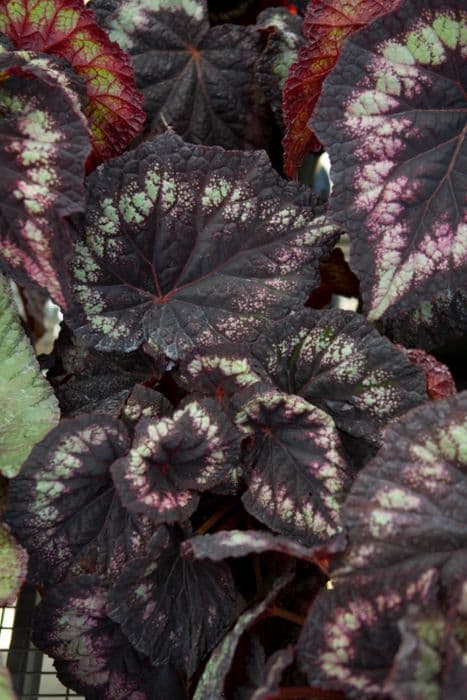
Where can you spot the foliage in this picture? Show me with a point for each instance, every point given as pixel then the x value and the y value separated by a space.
pixel 250 494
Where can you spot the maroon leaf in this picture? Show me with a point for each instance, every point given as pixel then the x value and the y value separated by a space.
pixel 298 478
pixel 392 116
pixel 188 245
pixel 64 509
pixel 197 79
pixel 439 381
pixel 44 143
pixel 171 609
pixel 65 28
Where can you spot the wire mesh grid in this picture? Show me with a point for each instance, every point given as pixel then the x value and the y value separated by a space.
pixel 32 672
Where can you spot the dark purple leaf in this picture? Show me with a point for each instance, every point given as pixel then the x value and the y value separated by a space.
pixel 172 459
pixel 171 609
pixel 392 116
pixel 144 402
pixel 408 506
pixel 211 683
pixel 200 80
pixel 188 245
pixel 239 543
pixel 63 506
pixel 337 361
pixel 91 654
pixel 351 635
pixel 264 675
pixel 298 478
pixel 44 143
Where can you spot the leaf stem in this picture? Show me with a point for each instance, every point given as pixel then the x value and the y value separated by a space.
pixel 287 615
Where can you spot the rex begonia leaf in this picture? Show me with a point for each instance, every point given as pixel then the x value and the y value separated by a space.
pixel 144 402
pixel 91 654
pixel 351 634
pixel 392 116
pixel 66 29
pixel 263 675
pixel 44 143
pixel 199 80
pixel 172 459
pixel 211 683
pixel 171 609
pixel 13 567
pixel 298 478
pixel 187 245
pixel 28 407
pixel 439 381
pixel 284 40
pixel 63 506
pixel 239 543
pixel 326 25
pixel 337 361
pixel 408 506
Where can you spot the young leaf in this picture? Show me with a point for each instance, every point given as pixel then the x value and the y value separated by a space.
pixel 191 245
pixel 340 363
pixel 408 507
pixel 392 115
pixel 91 654
pixel 66 29
pixel 171 459
pixel 351 635
pixel 439 381
pixel 44 143
pixel 63 506
pixel 28 407
pixel 171 609
pixel 211 683
pixel 298 477
pixel 198 80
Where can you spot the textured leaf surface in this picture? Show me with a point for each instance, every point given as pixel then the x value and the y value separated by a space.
pixel 284 40
pixel 191 245
pixel 197 79
pixel 393 115
pixel 298 478
pixel 44 143
pixel 439 381
pixel 351 634
pixel 28 407
pixel 13 568
pixel 408 506
pixel 340 363
pixel 92 656
pixel 171 609
pixel 172 459
pixel 65 28
pixel 211 683
pixel 63 506
pixel 326 25
pixel 239 543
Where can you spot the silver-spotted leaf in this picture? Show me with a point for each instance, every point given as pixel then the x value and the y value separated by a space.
pixel 392 115
pixel 144 402
pixel 28 407
pixel 199 80
pixel 172 459
pixel 191 245
pixel 337 361
pixel 91 654
pixel 44 143
pixel 351 635
pixel 408 506
pixel 63 506
pixel 171 609
pixel 298 478
pixel 211 683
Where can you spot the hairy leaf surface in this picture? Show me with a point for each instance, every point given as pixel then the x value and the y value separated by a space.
pixel 191 245
pixel 173 610
pixel 326 25
pixel 63 506
pixel 298 477
pixel 44 143
pixel 393 117
pixel 66 29
pixel 197 79
pixel 28 407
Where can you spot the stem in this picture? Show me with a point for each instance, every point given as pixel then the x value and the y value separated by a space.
pixel 215 517
pixel 299 693
pixel 287 615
